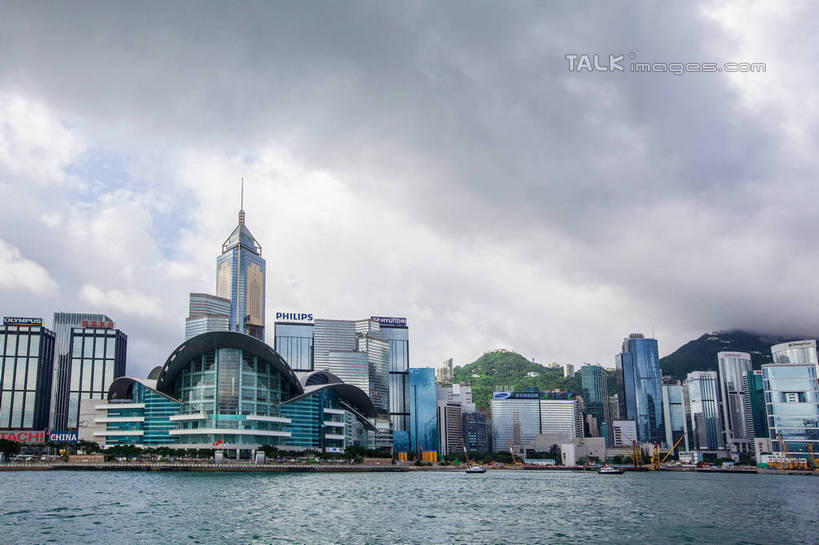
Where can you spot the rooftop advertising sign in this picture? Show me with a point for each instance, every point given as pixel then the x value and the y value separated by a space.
pixel 94 323
pixel 389 321
pixel 294 316
pixel 16 320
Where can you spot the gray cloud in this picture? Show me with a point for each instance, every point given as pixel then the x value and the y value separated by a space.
pixel 475 184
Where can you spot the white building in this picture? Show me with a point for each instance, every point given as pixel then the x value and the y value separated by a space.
pixel 561 416
pixel 625 433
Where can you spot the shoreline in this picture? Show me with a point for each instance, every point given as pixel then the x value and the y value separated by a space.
pixel 333 468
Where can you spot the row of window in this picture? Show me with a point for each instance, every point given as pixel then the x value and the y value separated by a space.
pixel 17 409
pixel 19 373
pixel 12 344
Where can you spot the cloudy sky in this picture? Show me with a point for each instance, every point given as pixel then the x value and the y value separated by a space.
pixel 437 161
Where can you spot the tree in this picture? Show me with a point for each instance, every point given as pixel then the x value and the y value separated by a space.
pixel 9 447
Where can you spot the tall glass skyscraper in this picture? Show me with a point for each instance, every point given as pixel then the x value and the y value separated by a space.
pixel 596 395
pixel 703 403
pixel 757 414
pixel 97 359
pixel 792 405
pixel 674 414
pixel 26 367
pixel 640 387
pixel 64 322
pixel 396 333
pixel 294 343
pixel 207 313
pixel 423 430
pixel 240 277
pixel 515 418
pixel 733 366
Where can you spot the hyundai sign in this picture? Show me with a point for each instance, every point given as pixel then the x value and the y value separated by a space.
pixel 389 321
pixel 63 437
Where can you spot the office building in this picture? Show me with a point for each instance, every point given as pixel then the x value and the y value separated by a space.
pixel 26 370
pixel 97 359
pixel 207 313
pixel 733 366
pixel 703 403
pixel 625 433
pixel 595 395
pixel 293 334
pixel 792 405
pixel 396 333
pixel 450 427
pixel 674 415
pixel 568 370
pixel 614 408
pixel 423 432
pixel 444 373
pixel 757 415
pixel 63 323
pixel 460 394
pixel 515 418
pixel 795 352
pixel 475 431
pixel 240 277
pixel 561 417
pixel 640 387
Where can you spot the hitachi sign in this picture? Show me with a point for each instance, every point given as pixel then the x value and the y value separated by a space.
pixel 294 316
pixel 24 436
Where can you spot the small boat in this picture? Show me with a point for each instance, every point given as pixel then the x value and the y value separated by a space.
pixel 476 469
pixel 610 470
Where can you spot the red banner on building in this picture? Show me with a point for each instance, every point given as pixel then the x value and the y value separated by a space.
pixel 24 436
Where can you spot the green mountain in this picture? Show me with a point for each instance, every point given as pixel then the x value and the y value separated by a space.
pixel 701 354
pixel 501 370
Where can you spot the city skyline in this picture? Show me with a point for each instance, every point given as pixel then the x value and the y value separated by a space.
pixel 478 188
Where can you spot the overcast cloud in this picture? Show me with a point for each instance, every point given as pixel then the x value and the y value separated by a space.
pixel 428 160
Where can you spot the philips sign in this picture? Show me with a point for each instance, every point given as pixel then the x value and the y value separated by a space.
pixel 63 437
pixel 294 316
pixel 389 321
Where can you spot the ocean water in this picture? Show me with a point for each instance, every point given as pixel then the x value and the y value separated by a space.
pixel 499 507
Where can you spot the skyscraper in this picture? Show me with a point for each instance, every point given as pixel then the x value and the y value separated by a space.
pixel 515 418
pixel 207 313
pixel 64 322
pixel 733 366
pixel 755 404
pixel 475 431
pixel 450 427
pixel 703 402
pixel 596 395
pixel 240 277
pixel 674 415
pixel 640 387
pixel 26 367
pixel 423 432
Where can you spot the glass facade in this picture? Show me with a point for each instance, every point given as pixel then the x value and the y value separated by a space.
pixel 236 395
pixel 26 368
pixel 703 403
pixel 755 403
pixel 561 417
pixel 733 366
pixel 795 352
pixel 320 420
pixel 640 387
pixel 674 414
pixel 145 418
pixel 64 323
pixel 294 343
pixel 240 277
pixel 476 433
pixel 207 313
pixel 792 405
pixel 514 420
pixel 96 359
pixel 398 339
pixel 595 394
pixel 423 430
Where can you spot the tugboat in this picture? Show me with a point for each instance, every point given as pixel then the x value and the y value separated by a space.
pixel 476 469
pixel 606 469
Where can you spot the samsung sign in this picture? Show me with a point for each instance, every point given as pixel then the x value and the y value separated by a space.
pixel 516 395
pixel 294 316
pixel 389 321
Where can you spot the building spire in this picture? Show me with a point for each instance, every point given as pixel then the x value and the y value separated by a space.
pixel 242 204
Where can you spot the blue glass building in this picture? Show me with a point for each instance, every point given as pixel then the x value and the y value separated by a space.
pixel 138 414
pixel 792 405
pixel 703 405
pixel 240 277
pixel 595 395
pixel 423 432
pixel 640 385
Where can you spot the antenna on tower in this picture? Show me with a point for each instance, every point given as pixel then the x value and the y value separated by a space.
pixel 242 204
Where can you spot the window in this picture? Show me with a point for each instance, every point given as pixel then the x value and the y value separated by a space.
pixel 99 347
pixel 88 347
pixel 86 376
pixel 76 368
pixel 34 346
pixel 22 345
pixel 8 374
pixel 76 347
pixel 110 347
pixel 11 345
pixel 20 381
pixel 31 381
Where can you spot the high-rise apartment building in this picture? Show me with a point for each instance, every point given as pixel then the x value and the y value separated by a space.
pixel 640 387
pixel 674 415
pixel 97 359
pixel 733 366
pixel 207 313
pixel 703 402
pixel 240 277
pixel 423 432
pixel 568 370
pixel 64 322
pixel 444 373
pixel 26 370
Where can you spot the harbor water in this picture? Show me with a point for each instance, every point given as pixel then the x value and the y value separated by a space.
pixel 499 507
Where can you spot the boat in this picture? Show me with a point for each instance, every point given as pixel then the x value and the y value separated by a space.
pixel 610 470
pixel 476 469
